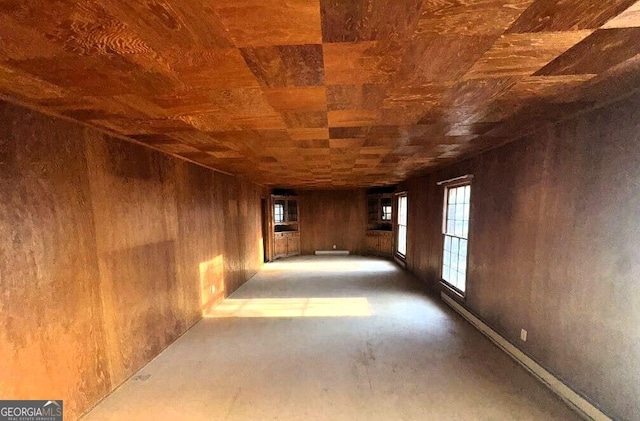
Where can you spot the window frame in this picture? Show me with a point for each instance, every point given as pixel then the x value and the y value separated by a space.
pixel 399 254
pixel 448 186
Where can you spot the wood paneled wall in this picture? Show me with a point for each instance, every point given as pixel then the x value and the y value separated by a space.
pixel 329 217
pixel 554 248
pixel 108 252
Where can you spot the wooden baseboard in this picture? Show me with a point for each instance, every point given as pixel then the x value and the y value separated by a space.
pixel 572 398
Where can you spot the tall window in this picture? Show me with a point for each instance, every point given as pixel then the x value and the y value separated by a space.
pixel 456 234
pixel 402 225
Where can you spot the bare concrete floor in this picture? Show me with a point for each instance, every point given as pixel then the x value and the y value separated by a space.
pixel 326 338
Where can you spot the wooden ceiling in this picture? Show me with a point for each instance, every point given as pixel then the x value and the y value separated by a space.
pixel 319 93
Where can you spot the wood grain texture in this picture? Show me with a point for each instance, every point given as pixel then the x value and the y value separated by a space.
pixel 51 326
pixel 630 18
pixel 332 217
pixel 567 195
pixel 523 54
pixel 286 65
pixel 109 253
pixel 567 15
pixel 183 70
pixel 596 54
pixel 254 23
pixel 368 20
pixel 484 17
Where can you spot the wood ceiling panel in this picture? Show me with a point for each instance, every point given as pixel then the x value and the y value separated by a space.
pixel 345 97
pixel 605 48
pixel 254 23
pixel 307 133
pixel 21 42
pixel 286 65
pixel 162 23
pixel 401 115
pixel 470 17
pixel 545 86
pixel 353 144
pixel 207 69
pixel 297 98
pixel 477 92
pixel 319 93
pixel 567 15
pixel 359 63
pixel 630 18
pixel 352 118
pixel 305 119
pixel 368 20
pixel 523 54
pixel 441 58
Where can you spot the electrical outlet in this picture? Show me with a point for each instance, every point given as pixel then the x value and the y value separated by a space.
pixel 334 246
pixel 523 335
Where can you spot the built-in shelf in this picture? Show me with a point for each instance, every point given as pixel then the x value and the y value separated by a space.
pixel 379 236
pixel 379 212
pixel 286 237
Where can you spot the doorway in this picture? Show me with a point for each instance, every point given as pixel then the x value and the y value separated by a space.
pixel 265 229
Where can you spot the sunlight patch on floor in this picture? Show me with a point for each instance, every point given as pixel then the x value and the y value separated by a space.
pixel 292 307
pixel 330 265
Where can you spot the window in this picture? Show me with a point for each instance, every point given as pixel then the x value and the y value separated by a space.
pixel 386 212
pixel 456 234
pixel 402 225
pixel 278 212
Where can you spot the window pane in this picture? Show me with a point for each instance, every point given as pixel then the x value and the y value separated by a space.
pixel 445 273
pixel 467 194
pixel 453 278
pixel 402 239
pixel 402 210
pixel 463 248
pixel 447 243
pixel 459 214
pixel 465 212
pixel 460 195
pixel 458 227
pixel 462 286
pixel 452 196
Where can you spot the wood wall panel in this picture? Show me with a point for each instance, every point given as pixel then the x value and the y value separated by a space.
pixel 554 246
pixel 50 314
pixel 108 254
pixel 332 217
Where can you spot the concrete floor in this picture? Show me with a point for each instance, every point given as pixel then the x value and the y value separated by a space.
pixel 272 353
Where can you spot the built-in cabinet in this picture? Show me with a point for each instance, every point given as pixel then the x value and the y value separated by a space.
pixel 379 236
pixel 286 244
pixel 379 243
pixel 286 236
